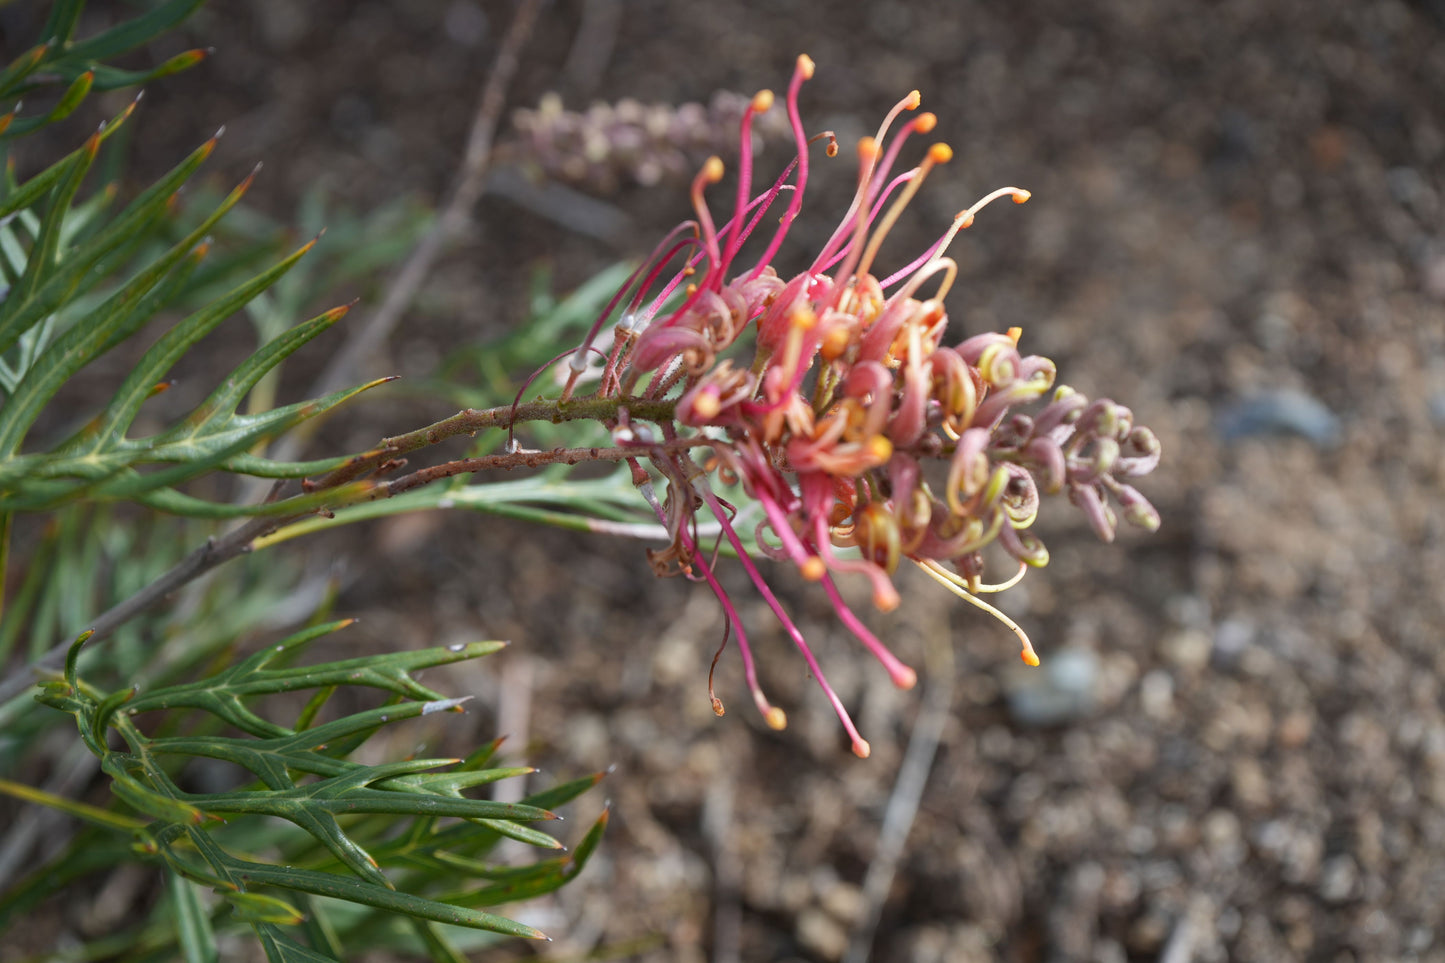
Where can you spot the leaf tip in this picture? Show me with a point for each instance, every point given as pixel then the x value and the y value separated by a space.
pixel 443 705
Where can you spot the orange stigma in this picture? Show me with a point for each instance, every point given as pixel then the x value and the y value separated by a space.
pixel 706 405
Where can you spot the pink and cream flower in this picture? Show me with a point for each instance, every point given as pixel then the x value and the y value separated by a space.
pixel 864 437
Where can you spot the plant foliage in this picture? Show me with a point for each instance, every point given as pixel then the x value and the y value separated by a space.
pixel 71 296
pixel 391 837
pixel 317 852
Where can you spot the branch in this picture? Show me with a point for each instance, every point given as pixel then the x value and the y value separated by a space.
pixel 470 183
pixel 241 540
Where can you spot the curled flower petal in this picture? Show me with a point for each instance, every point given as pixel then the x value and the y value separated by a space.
pixel 1099 514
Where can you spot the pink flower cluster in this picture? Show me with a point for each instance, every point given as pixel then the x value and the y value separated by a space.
pixel 851 394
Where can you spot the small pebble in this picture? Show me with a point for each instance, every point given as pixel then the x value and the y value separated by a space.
pixel 1285 411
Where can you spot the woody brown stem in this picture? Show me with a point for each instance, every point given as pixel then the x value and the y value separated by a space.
pixel 240 540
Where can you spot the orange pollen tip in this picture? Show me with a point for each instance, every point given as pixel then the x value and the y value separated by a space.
pixel 940 153
pixel 835 342
pixel 885 601
pixel 861 749
pixel 913 99
pixel 712 169
pixel 717 706
pixel 1014 335
pixel 1029 658
pixel 925 122
pixel 806 66
pixel 868 149
pixel 965 219
pixel 813 569
pixel 880 447
pixel 1022 196
pixel 762 101
pixel 803 319
pixel 776 719
pixel 905 678
pixel 706 404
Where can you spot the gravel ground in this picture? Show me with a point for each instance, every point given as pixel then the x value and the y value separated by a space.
pixel 1236 747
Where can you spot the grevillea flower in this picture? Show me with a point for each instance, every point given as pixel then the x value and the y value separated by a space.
pixel 862 436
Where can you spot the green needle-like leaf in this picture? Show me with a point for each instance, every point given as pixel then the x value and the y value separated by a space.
pixel 23 196
pixel 157 361
pixel 113 78
pixel 21 67
pixel 18 314
pixel 354 891
pixel 550 875
pixel 234 388
pixel 131 34
pixel 282 949
pixel 193 923
pixel 259 908
pixel 60 25
pixel 74 95
pixel 42 257
pixel 119 317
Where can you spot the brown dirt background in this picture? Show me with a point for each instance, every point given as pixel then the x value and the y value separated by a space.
pixel 1237 205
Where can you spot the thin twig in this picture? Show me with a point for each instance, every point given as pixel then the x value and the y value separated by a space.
pixel 907 792
pixel 471 178
pixel 593 45
pixel 240 540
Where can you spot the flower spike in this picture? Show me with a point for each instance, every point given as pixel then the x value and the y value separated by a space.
pixel 860 437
